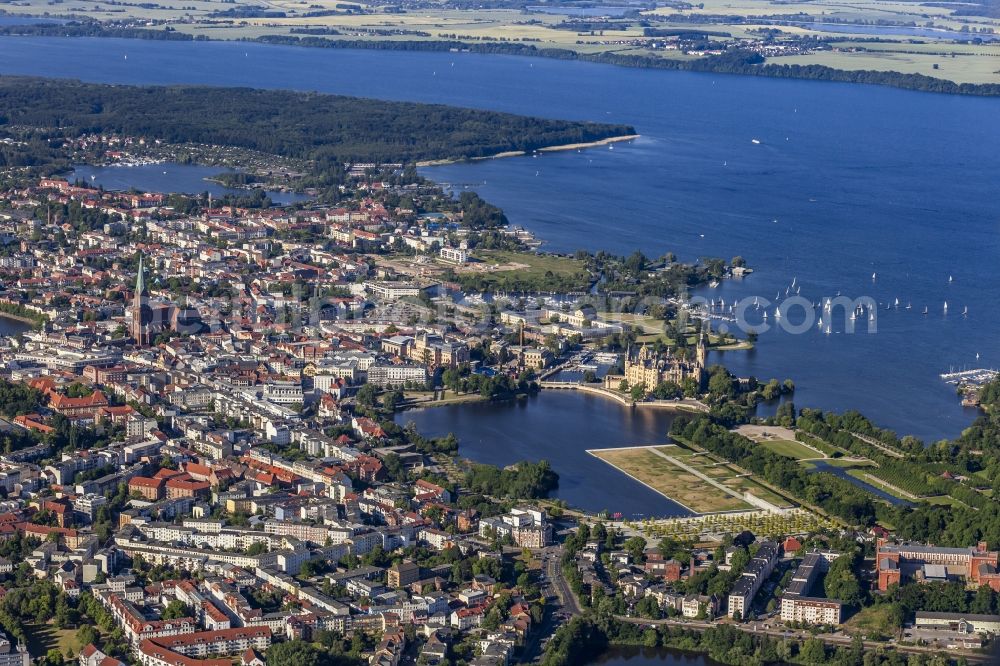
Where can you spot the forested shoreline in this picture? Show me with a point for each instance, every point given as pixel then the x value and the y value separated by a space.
pixel 311 126
pixel 743 63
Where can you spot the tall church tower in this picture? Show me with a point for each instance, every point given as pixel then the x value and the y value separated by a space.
pixel 141 313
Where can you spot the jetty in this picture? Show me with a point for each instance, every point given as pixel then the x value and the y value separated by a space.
pixel 976 377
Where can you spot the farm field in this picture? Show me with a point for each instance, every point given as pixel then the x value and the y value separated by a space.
pixel 911 37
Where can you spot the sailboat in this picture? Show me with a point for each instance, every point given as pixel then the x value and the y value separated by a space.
pixel 925 309
pixel 897 303
pixel 793 281
pixel 909 306
pixel 946 307
pixel 873 277
pixel 965 311
pixel 777 315
pixel 820 322
pixel 765 315
pixel 950 279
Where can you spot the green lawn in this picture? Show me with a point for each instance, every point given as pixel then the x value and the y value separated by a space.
pixel 524 270
pixel 790 448
pixel 44 637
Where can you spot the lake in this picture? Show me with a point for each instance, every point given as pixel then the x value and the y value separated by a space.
pixel 846 181
pixel 559 426
pixel 168 177
pixel 11 327
pixel 580 12
pixel 905 30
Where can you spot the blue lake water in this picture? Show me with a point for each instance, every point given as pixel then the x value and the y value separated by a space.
pixel 846 180
pixel 559 426
pixel 905 30
pixel 581 12
pixel 168 177
pixel 11 327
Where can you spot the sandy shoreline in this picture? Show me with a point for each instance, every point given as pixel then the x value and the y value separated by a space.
pixel 521 153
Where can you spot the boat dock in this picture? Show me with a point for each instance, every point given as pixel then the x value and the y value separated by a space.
pixel 976 377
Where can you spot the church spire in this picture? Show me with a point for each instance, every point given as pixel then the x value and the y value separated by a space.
pixel 140 281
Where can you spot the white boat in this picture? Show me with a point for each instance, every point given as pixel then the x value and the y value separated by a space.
pixel 777 315
pixel 871 317
pixel 765 315
pixel 820 323
pixel 755 141
pixel 852 317
pixel 925 309
pixel 950 279
pixel 909 306
pixel 946 306
pixel 873 277
pixel 965 311
pixel 897 303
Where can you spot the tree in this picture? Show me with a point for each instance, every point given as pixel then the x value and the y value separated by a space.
pixel 295 653
pixel 366 395
pixel 813 652
pixel 638 392
pixel 635 546
pixel 86 635
pixel 721 385
pixel 668 391
pixel 176 609
pixel 985 601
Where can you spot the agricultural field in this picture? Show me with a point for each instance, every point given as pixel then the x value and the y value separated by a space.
pixel 913 37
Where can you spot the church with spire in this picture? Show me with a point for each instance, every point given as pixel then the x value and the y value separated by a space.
pixel 149 318
pixel 140 324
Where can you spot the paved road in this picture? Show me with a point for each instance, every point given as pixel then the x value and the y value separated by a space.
pixel 560 601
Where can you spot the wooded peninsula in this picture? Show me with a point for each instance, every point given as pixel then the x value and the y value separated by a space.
pixel 311 126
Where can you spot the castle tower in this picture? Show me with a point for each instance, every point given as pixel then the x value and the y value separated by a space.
pixel 701 352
